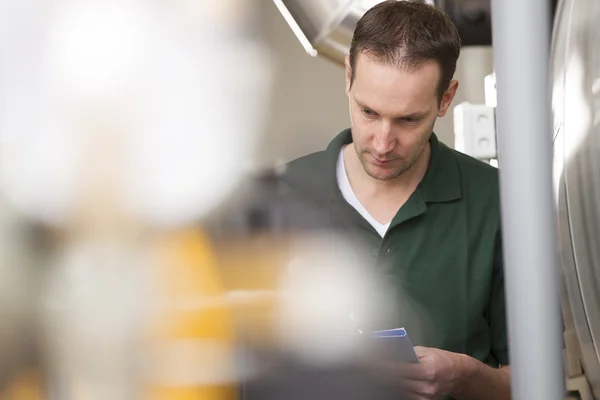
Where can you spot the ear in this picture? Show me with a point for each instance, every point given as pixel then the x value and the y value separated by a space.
pixel 348 74
pixel 447 98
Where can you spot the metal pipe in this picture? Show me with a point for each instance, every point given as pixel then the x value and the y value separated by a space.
pixel 324 27
pixel 521 36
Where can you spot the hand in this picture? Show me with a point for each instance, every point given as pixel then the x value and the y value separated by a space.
pixel 436 375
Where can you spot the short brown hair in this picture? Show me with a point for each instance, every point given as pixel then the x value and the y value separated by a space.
pixel 408 33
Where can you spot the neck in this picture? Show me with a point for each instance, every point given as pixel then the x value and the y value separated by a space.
pixel 405 183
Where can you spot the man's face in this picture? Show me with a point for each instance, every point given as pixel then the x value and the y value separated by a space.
pixel 393 112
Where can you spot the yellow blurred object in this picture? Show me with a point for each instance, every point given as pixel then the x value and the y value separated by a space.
pixel 26 386
pixel 191 343
pixel 194 338
pixel 252 266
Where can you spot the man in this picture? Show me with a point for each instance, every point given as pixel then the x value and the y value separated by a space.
pixel 429 214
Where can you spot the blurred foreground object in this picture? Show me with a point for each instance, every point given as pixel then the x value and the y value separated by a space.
pixel 148 328
pixel 298 306
pixel 18 302
pixel 193 354
pixel 154 91
pixel 122 124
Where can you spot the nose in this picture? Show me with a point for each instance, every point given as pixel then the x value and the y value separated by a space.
pixel 383 140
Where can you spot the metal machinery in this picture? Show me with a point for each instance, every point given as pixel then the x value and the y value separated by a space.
pixel 325 27
pixel 576 136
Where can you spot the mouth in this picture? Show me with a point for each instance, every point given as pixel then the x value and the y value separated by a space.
pixel 381 161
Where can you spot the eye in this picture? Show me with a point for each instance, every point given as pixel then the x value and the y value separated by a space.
pixel 410 120
pixel 368 113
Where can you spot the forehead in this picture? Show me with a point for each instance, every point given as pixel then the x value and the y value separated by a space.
pixel 385 86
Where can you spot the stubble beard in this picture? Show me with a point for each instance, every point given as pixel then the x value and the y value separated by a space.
pixel 392 174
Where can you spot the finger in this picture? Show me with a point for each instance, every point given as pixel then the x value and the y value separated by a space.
pixel 418 372
pixel 417 390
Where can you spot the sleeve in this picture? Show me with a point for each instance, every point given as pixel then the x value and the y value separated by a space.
pixel 497 308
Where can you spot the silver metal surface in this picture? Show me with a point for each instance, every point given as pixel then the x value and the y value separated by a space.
pixel 521 31
pixel 324 27
pixel 576 105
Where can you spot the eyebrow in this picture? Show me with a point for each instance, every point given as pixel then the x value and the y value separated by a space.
pixel 414 115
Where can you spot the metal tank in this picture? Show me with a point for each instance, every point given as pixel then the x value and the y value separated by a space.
pixel 576 116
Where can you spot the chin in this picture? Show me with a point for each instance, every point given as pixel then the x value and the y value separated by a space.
pixel 382 174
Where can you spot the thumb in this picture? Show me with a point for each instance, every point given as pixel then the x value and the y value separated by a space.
pixel 422 352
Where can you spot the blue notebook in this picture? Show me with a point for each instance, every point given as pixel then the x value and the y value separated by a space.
pixel 394 345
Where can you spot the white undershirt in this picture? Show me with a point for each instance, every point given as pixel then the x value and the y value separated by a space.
pixel 348 193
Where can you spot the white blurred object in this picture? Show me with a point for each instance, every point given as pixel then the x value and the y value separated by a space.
pixel 326 297
pixel 490 90
pixel 94 48
pixel 183 102
pixel 96 304
pixel 200 131
pixel 475 130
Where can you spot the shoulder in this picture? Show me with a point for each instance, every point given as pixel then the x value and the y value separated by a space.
pixel 309 163
pixel 478 178
pixel 473 167
pixel 479 186
pixel 305 173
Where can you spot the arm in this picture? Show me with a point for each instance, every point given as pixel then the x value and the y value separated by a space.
pixel 479 381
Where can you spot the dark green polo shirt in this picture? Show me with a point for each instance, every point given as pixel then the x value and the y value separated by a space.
pixel 442 251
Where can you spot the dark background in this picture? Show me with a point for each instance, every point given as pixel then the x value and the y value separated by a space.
pixel 473 19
